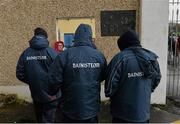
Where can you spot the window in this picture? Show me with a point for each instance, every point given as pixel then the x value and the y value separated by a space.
pixel 66 28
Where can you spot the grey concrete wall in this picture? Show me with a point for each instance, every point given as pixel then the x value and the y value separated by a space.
pixel 154 36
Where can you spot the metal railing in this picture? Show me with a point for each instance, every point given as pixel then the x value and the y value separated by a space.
pixel 173 75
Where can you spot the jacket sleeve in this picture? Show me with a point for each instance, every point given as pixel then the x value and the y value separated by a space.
pixel 113 76
pixel 156 76
pixel 20 69
pixel 55 75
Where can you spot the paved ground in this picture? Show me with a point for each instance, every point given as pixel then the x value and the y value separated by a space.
pixel 15 110
pixel 161 116
pixel 157 115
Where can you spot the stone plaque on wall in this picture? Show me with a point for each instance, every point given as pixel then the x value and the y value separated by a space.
pixel 114 23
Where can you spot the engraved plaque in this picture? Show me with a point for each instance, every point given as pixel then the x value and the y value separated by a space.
pixel 114 23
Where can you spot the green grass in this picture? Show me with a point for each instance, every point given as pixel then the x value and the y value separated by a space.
pixel 17 110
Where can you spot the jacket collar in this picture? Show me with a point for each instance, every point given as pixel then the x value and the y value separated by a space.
pixel 76 44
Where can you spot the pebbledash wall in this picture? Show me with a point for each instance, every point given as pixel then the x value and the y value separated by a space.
pixel 18 18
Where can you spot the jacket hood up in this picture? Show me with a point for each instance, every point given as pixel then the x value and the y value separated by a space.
pixel 145 60
pixel 83 36
pixel 128 39
pixel 39 42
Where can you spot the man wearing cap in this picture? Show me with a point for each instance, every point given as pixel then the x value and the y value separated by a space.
pixel 78 72
pixel 32 69
pixel 131 77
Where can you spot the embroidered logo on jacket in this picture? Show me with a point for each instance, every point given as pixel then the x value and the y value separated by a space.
pixel 86 65
pixel 135 74
pixel 36 57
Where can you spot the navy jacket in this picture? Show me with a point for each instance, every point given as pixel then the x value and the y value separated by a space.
pixel 78 72
pixel 131 77
pixel 33 65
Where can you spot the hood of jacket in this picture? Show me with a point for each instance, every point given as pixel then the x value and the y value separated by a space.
pixel 128 39
pixel 83 36
pixel 39 42
pixel 145 59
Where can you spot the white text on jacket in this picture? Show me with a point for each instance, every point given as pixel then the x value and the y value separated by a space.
pixel 36 57
pixel 86 65
pixel 135 74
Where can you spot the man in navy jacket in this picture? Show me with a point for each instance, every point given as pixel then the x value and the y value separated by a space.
pixel 131 77
pixel 78 72
pixel 32 69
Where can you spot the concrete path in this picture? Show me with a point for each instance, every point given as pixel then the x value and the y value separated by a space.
pixel 160 116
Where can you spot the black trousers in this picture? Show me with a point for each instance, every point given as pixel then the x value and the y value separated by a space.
pixel 117 120
pixel 45 112
pixel 66 119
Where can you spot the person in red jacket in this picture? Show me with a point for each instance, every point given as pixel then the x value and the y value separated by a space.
pixel 59 46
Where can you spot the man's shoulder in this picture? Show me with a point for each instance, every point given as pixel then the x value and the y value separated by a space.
pixel 51 50
pixel 98 52
pixel 27 50
pixel 150 54
pixel 89 49
pixel 118 57
pixel 124 54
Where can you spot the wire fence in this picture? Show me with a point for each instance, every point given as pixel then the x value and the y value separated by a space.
pixel 173 75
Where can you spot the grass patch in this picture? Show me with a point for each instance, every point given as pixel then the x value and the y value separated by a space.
pixel 172 106
pixel 11 99
pixel 17 110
